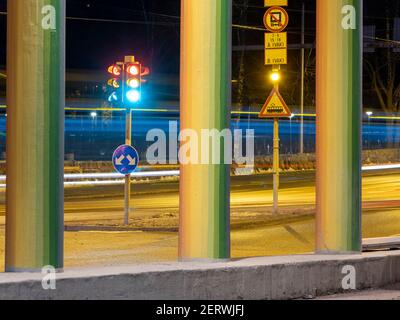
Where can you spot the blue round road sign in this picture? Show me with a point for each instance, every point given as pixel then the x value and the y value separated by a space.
pixel 125 159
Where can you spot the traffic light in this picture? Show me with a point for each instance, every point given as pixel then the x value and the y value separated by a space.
pixel 126 82
pixel 133 82
pixel 115 70
pixel 115 83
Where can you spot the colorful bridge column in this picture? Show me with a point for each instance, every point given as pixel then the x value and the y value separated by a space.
pixel 339 119
pixel 35 134
pixel 205 104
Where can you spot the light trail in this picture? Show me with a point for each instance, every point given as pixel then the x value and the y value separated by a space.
pixel 146 174
pixel 381 167
pixel 110 178
pixel 120 109
pixel 115 178
pixel 93 183
pixel 385 118
pixel 251 113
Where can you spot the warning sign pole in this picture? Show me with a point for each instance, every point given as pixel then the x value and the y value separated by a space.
pixel 276 20
pixel 276 163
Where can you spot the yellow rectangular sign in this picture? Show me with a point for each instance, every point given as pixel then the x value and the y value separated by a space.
pixel 275 48
pixel 275 56
pixel 272 3
pixel 276 40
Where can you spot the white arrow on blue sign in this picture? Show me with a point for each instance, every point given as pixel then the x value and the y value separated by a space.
pixel 125 159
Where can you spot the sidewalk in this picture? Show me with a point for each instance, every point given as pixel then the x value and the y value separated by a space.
pixel 276 278
pixel 388 293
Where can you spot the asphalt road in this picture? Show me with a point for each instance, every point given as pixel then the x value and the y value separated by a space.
pixel 256 231
pixel 251 194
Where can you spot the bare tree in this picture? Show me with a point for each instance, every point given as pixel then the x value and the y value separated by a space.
pixel 383 81
pixel 241 6
pixel 383 68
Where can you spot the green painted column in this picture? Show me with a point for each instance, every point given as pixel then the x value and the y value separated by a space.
pixel 205 104
pixel 35 134
pixel 339 125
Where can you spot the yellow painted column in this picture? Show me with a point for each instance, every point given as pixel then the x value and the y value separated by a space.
pixel 205 104
pixel 35 134
pixel 339 124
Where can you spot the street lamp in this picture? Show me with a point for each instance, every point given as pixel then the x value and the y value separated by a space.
pixel 369 113
pixel 275 76
pixel 93 114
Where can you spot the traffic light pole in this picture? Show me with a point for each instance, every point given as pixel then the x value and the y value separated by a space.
pixel 128 141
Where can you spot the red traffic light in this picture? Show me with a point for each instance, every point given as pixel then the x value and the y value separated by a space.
pixel 115 70
pixel 133 69
pixel 127 78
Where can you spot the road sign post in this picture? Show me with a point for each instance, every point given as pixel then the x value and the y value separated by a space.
pixel 276 166
pixel 128 141
pixel 126 161
pixel 276 20
pixel 275 108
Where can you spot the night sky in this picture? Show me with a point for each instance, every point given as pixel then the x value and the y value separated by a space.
pixel 153 34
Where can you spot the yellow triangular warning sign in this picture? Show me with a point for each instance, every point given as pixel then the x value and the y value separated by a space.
pixel 275 106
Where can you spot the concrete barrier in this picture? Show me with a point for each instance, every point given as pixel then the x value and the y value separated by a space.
pixel 286 277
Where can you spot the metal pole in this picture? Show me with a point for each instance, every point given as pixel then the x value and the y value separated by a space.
pixel 302 80
pixel 276 166
pixel 128 141
pixel 276 162
pixel 369 133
